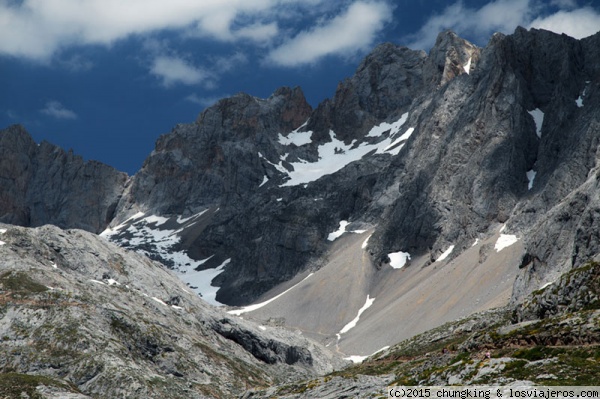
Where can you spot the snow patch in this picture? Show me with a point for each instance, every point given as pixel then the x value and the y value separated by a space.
pixel 398 259
pixel 341 230
pixel 365 242
pixel 279 199
pixel 296 138
pixel 530 176
pixel 159 301
pixel 262 328
pixel 467 67
pixel 250 308
pixel 333 236
pixel 200 280
pixel 445 254
pixel 2 231
pixel 159 220
pixel 2 243
pixel 53 265
pixel 110 281
pixel 111 231
pixel 360 359
pixel 579 100
pixel 538 118
pixel 182 220
pixel 394 127
pixel 335 154
pixel 97 282
pixel 353 323
pixel 476 242
pixel 176 307
pixel 546 285
pixel 504 241
pixel 356 358
pixel 265 180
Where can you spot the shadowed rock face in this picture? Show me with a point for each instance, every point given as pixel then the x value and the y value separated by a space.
pixel 215 159
pixel 41 184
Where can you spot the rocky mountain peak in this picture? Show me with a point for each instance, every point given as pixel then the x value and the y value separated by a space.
pixel 449 57
pixel 383 86
pixel 245 116
pixel 44 184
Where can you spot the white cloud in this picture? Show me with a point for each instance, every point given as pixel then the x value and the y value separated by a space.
pixel 173 70
pixel 504 16
pixel 496 16
pixel 56 110
pixel 345 34
pixel 258 32
pixel 37 29
pixel 577 23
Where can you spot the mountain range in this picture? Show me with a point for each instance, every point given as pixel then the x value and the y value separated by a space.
pixel 428 189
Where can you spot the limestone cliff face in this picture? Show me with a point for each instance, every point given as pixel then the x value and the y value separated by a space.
pixel 43 184
pixel 432 151
pixel 215 159
pixel 490 136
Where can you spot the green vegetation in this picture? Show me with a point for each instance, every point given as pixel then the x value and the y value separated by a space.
pixel 21 283
pixel 12 385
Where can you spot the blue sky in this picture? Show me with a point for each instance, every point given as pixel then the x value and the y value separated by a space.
pixel 107 77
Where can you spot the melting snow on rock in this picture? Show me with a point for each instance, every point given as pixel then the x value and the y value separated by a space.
pixel 250 308
pixel 467 67
pixel 538 118
pixel 139 232
pixel 200 281
pixel 530 176
pixel 360 359
pixel 445 254
pixel 341 230
pixel 296 138
pixel 398 259
pixel 335 154
pixel 352 324
pixel 504 241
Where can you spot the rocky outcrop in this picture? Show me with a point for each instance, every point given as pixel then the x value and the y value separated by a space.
pixel 576 290
pixel 215 160
pixel 43 184
pixel 110 323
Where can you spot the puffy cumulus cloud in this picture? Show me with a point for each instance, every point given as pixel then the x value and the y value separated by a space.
pixel 352 31
pixel 560 16
pixel 578 23
pixel 173 70
pixel 496 16
pixel 36 29
pixel 56 110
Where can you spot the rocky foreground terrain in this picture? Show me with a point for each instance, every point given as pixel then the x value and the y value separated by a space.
pixel 82 316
